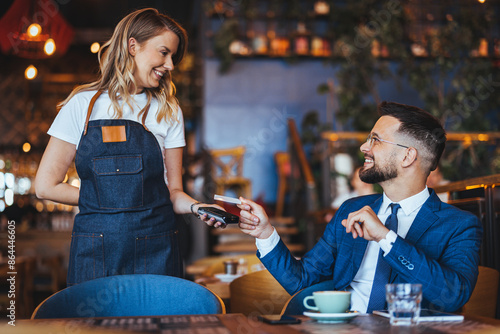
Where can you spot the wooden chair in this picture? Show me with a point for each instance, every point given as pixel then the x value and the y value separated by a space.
pixel 47 277
pixel 483 301
pixel 283 170
pixel 23 286
pixel 227 171
pixel 257 293
pixel 28 287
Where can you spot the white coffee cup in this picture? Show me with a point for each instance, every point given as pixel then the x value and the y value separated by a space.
pixel 329 301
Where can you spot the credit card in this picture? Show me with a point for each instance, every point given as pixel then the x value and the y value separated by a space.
pixel 226 199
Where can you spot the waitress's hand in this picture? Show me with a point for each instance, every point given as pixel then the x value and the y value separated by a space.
pixel 210 221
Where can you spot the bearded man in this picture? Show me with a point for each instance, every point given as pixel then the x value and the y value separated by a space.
pixel 428 242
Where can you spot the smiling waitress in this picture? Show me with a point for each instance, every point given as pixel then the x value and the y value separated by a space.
pixel 126 135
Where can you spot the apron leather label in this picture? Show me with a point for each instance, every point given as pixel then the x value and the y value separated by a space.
pixel 113 134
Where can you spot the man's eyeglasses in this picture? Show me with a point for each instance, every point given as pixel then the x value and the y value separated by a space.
pixel 372 139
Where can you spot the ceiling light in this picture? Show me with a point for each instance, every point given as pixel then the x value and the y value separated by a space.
pixel 30 72
pixel 34 30
pixel 26 147
pixel 49 47
pixel 31 38
pixel 94 48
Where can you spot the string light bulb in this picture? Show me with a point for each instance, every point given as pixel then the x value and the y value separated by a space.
pixel 31 72
pixel 34 30
pixel 26 147
pixel 49 47
pixel 94 48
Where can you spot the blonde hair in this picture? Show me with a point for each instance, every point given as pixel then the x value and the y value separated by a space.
pixel 117 65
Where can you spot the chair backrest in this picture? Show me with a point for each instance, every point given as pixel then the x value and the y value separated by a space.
pixel 257 293
pixel 228 162
pixel 283 170
pixel 130 295
pixel 295 306
pixel 484 298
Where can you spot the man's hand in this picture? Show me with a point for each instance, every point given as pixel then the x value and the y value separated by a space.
pixel 365 224
pixel 254 220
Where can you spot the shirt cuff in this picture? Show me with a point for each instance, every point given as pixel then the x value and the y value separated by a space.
pixel 386 243
pixel 265 246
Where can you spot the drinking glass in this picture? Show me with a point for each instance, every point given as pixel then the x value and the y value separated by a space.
pixel 403 301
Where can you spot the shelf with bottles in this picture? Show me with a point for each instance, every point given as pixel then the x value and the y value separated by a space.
pixel 188 85
pixel 271 28
pixel 303 42
pixel 327 29
pixel 268 9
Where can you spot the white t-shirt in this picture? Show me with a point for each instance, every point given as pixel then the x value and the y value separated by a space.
pixel 70 121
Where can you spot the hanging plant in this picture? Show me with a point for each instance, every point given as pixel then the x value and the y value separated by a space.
pixel 223 38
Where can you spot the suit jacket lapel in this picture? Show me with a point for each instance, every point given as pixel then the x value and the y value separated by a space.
pixel 424 219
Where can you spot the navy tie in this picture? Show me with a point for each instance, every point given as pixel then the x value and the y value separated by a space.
pixel 383 271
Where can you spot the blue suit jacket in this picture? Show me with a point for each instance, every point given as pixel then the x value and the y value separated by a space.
pixel 440 251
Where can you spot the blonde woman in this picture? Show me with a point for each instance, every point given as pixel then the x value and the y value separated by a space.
pixel 125 133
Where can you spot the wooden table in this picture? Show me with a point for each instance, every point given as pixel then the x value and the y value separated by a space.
pixel 217 286
pixel 238 323
pixel 365 324
pixel 186 324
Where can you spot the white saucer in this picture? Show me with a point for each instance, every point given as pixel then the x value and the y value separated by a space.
pixel 331 317
pixel 227 278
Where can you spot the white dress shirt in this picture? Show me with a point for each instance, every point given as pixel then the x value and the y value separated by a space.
pixel 361 285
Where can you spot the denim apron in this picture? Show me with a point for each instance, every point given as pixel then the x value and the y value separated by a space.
pixel 126 223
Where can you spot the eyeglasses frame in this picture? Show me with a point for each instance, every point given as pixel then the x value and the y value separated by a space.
pixel 370 139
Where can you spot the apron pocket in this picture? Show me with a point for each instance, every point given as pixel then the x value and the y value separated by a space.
pixel 87 257
pixel 119 181
pixel 157 254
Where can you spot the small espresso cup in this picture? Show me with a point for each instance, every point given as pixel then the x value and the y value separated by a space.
pixel 329 301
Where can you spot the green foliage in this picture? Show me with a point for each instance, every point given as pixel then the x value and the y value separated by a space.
pixel 462 90
pixel 223 38
pixel 311 127
pixel 459 89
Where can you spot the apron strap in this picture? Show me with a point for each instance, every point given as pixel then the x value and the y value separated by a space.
pixel 144 115
pixel 91 106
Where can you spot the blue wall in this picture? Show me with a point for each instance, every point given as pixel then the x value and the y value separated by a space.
pixel 250 105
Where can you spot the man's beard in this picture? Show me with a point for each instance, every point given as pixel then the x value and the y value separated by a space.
pixel 376 175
